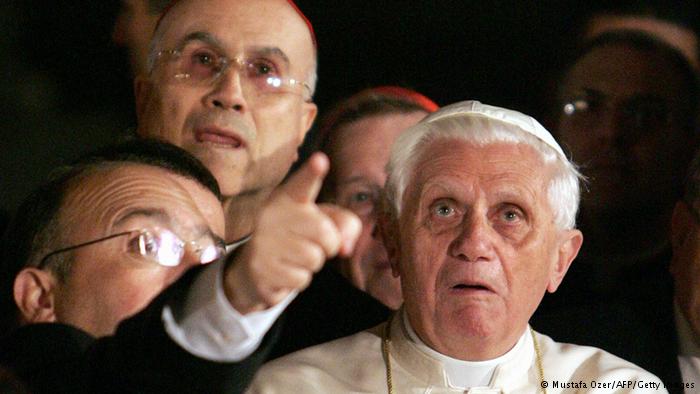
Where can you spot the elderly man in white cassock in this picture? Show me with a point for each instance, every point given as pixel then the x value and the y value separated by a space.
pixel 481 207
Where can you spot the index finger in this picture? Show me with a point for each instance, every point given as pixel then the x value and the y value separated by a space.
pixel 304 185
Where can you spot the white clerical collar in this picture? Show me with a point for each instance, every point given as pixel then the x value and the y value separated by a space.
pixel 687 345
pixel 464 374
pixel 688 349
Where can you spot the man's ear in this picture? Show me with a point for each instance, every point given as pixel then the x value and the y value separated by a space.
pixel 34 292
pixel 388 231
pixel 142 92
pixel 569 246
pixel 308 114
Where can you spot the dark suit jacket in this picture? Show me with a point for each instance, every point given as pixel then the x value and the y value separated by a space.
pixel 641 330
pixel 139 358
pixel 330 308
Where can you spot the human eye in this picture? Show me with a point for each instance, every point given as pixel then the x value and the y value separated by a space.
pixel 443 209
pixel 261 68
pixel 201 62
pixel 510 220
pixel 143 243
pixel 360 197
pixel 361 201
pixel 511 215
pixel 443 214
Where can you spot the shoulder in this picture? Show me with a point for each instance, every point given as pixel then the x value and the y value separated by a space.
pixel 42 354
pixel 329 367
pixel 598 369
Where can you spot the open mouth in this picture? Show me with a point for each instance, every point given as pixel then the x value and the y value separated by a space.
pixel 470 287
pixel 219 138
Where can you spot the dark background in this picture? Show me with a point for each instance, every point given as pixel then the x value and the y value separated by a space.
pixel 67 87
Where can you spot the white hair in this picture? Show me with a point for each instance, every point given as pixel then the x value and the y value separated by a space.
pixel 482 125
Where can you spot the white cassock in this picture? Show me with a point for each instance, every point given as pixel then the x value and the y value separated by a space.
pixel 356 364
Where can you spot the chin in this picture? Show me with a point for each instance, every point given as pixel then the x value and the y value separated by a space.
pixel 230 189
pixel 475 322
pixel 229 178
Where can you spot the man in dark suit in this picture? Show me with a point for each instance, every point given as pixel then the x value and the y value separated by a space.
pixel 104 236
pixel 232 82
pixel 685 269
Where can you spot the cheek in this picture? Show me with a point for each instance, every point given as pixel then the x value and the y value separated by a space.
pixel 528 267
pixel 365 241
pixel 132 290
pixel 420 262
pixel 166 114
pixel 277 128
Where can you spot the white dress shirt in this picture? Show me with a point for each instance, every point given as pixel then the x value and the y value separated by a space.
pixel 208 326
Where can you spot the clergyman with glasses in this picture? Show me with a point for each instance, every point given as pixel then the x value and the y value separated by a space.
pixel 479 223
pixel 97 244
pixel 232 82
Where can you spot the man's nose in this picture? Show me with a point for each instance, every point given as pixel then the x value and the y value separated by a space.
pixel 228 91
pixel 474 241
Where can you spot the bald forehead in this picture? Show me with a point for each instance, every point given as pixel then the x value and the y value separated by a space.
pixel 259 15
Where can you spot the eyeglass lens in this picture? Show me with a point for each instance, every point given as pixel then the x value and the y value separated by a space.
pixel 198 63
pixel 165 248
pixel 640 113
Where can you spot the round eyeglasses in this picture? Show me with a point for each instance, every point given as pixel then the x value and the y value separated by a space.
pixel 159 245
pixel 642 113
pixel 201 65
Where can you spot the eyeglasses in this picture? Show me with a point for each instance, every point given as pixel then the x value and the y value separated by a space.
pixel 201 65
pixel 158 245
pixel 643 114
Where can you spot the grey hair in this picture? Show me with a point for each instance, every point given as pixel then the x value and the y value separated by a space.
pixel 563 191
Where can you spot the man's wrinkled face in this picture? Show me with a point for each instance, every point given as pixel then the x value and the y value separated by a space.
pixel 247 140
pixel 625 127
pixel 359 176
pixel 108 281
pixel 477 246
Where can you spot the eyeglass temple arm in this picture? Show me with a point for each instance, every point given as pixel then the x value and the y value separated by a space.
pixel 43 261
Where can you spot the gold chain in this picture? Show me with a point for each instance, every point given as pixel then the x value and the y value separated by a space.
pixel 538 361
pixel 385 351
pixel 386 338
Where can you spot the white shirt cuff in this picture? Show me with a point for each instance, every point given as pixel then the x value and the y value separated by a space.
pixel 209 327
